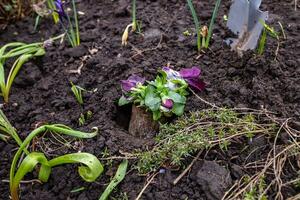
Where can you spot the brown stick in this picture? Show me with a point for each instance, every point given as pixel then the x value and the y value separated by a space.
pixel 187 169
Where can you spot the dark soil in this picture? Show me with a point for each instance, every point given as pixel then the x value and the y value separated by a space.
pixel 41 92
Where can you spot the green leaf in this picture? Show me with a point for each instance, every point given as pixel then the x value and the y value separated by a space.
pixel 156 115
pixel 178 109
pixel 120 175
pixel 8 130
pixel 152 101
pixel 123 101
pixel 177 98
pixel 57 128
pixel 27 165
pixel 90 172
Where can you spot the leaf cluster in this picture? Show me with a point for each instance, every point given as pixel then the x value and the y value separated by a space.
pixel 152 95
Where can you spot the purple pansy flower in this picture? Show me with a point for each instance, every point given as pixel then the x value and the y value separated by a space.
pixel 60 9
pixel 131 82
pixel 192 75
pixel 167 103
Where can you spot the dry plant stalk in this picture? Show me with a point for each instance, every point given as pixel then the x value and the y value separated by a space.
pixel 273 166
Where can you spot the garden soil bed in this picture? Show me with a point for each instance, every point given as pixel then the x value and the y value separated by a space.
pixel 41 92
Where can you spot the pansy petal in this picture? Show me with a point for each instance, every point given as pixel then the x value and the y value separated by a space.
pixel 193 72
pixel 136 79
pixel 196 83
pixel 127 85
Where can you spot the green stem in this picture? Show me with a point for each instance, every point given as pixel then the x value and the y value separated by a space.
pixel 196 22
pixel 134 23
pixel 76 24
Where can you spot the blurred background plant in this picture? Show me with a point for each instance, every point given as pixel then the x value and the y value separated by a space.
pixel 12 10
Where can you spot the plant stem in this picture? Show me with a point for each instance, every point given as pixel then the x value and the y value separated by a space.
pixel 76 23
pixel 196 22
pixel 134 24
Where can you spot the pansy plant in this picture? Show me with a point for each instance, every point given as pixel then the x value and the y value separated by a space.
pixel 164 96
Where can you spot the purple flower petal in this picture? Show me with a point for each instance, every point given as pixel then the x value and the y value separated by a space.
pixel 60 9
pixel 193 72
pixel 196 83
pixel 131 82
pixel 137 79
pixel 167 103
pixel 127 85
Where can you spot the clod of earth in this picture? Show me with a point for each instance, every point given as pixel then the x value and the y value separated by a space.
pixel 214 179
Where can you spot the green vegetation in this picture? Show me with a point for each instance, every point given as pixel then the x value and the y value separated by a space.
pixel 199 130
pixel 203 34
pixel 120 175
pixel 23 52
pixel 7 130
pixel 77 91
pixel 267 30
pixel 89 173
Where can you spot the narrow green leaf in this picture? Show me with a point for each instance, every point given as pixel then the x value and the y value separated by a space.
pixel 196 22
pixel 120 175
pixel 212 22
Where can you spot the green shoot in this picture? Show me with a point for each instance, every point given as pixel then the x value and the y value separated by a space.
pixel 81 120
pixel 24 52
pixel 212 22
pixel 120 175
pixel 77 189
pixel 8 130
pixel 196 22
pixel 204 33
pixel 31 161
pixel 77 91
pixel 262 42
pixel 267 30
pixel 37 21
pixel 90 172
pixel 84 117
pixel 51 6
pixel 134 23
pixel 76 39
